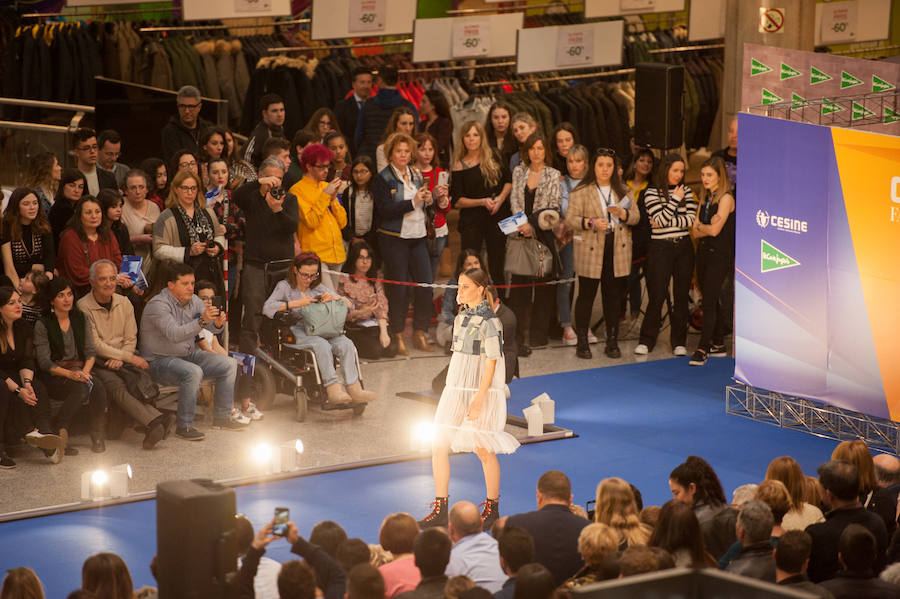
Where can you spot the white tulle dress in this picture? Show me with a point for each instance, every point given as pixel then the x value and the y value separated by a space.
pixel 477 337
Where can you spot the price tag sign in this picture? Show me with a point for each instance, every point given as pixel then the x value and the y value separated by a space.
pixel 635 5
pixel 471 38
pixel 367 16
pixel 839 20
pixel 575 47
pixel 252 6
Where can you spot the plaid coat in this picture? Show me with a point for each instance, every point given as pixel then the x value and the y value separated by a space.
pixel 585 203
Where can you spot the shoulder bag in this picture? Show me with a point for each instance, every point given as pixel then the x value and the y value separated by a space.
pixel 324 319
pixel 528 257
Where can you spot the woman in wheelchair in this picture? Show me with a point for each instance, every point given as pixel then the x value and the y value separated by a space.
pixel 302 287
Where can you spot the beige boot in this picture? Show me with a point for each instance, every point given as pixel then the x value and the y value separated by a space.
pixel 359 394
pixel 337 393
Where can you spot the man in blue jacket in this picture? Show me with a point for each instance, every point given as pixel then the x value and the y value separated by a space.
pixel 376 112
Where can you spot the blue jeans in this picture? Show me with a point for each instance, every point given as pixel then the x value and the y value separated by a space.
pixel 563 303
pixel 436 260
pixel 326 350
pixel 187 372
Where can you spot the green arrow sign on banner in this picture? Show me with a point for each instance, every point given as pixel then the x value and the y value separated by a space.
pixel 860 111
pixel 769 98
pixel 890 116
pixel 788 72
pixel 828 106
pixel 758 68
pixel 771 258
pixel 848 80
pixel 817 76
pixel 798 101
pixel 880 85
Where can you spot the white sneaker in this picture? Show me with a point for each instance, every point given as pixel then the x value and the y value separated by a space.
pixel 592 338
pixel 252 413
pixel 236 416
pixel 641 350
pixel 569 337
pixel 679 350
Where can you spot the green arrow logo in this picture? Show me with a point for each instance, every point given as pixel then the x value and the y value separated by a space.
pixel 769 98
pixel 788 72
pixel 860 111
pixel 848 80
pixel 829 107
pixel 890 116
pixel 771 258
pixel 817 76
pixel 758 68
pixel 880 85
pixel 798 101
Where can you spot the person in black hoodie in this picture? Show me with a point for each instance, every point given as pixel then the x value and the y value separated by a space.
pixel 183 130
pixel 376 112
pixel 271 106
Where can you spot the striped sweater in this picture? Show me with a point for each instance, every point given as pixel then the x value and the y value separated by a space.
pixel 675 218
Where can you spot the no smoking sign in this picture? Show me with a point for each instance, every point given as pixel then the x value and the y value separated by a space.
pixel 771 20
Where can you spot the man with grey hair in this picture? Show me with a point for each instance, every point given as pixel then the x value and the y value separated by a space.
pixel 115 338
pixel 743 494
pixel 475 553
pixel 182 132
pixel 272 216
pixel 754 531
pixel 887 475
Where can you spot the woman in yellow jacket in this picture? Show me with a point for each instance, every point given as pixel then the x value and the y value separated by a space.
pixel 321 215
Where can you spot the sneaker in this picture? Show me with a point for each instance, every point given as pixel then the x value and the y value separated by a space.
pixel 679 350
pixel 717 351
pixel 698 359
pixel 43 441
pixel 252 413
pixel 6 462
pixel 592 338
pixel 641 350
pixel 189 434
pixel 55 456
pixel 569 337
pixel 238 417
pixel 227 424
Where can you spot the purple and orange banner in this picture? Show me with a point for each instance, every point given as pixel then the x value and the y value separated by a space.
pixel 817 281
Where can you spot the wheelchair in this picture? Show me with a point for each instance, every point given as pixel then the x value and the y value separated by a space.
pixel 284 368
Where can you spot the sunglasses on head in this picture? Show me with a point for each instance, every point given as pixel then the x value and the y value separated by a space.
pixel 606 152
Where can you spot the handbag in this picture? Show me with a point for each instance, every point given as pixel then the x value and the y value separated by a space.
pixel 527 257
pixel 324 319
pixel 138 383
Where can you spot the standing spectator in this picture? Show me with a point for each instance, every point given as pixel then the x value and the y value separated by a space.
pixel 376 112
pixel 595 543
pixel 498 131
pixel 188 231
pixel 321 123
pixel 111 205
pixel 400 199
pixel 871 496
pixel 71 188
pixel 858 554
pixel 403 120
pixel 230 217
pixel 85 148
pixel 369 314
pixel 212 147
pixel 672 209
pixel 577 169
pixel 110 143
pixel 523 126
pixel 294 172
pixel 115 337
pixel 65 354
pixel 616 507
pixel 479 187
pixel 398 535
pixel 184 160
pixel 26 241
pixel 183 130
pixel 516 549
pixel 359 203
pixel 637 178
pixel 169 325
pixel 280 148
pixel 537 192
pixel 438 229
pixel 87 240
pixel 678 532
pixel 714 230
pixel 157 181
pixel 271 107
pixel 887 474
pixel 786 470
pixel 601 211
pixel 754 527
pixel 695 483
pixel 437 122
pixel 431 551
pixel 564 138
pixel 321 215
pixel 729 153
pixel 139 215
pixel 42 176
pixel 340 161
pixel 271 222
pixel 347 110
pixel 240 171
pixel 791 559
pixel 475 553
pixel 840 481
pixel 554 528
pixel 106 575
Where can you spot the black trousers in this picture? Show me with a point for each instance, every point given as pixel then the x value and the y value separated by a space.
pixel 253 296
pixel 713 268
pixel 612 290
pixel 404 260
pixel 75 394
pixel 17 417
pixel 486 232
pixel 542 299
pixel 668 260
pixel 367 341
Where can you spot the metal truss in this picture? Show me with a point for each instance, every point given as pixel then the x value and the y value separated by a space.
pixel 811 417
pixel 838 111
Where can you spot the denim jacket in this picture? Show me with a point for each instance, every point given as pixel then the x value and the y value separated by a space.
pixel 390 204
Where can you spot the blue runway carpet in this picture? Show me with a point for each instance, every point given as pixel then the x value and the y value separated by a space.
pixel 637 421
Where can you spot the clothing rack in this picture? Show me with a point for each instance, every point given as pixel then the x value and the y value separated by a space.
pixel 288 49
pixel 866 50
pixel 133 11
pixel 556 78
pixel 481 11
pixel 221 27
pixel 461 67
pixel 685 48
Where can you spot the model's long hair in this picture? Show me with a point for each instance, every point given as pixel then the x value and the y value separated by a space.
pixel 481 279
pixel 488 164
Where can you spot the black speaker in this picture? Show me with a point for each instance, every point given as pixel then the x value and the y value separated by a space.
pixel 658 114
pixel 196 541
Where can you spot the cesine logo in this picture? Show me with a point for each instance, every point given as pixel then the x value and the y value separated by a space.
pixel 787 225
pixel 762 218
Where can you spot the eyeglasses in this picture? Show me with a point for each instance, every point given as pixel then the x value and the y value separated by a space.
pixel 306 276
pixel 188 188
pixel 190 164
pixel 361 171
pixel 189 106
pixel 606 152
pixel 92 148
pixel 206 298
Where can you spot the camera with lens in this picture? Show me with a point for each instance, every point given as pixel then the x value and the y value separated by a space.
pixel 277 192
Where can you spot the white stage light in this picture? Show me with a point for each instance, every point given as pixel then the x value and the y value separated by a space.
pixel 421 435
pixel 262 453
pixel 278 459
pixel 298 446
pixel 100 484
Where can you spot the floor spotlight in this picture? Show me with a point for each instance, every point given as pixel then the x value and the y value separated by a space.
pixel 102 484
pixel 282 458
pixel 421 435
pixel 262 453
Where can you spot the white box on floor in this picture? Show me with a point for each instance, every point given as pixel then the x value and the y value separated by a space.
pixel 547 406
pixel 535 419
